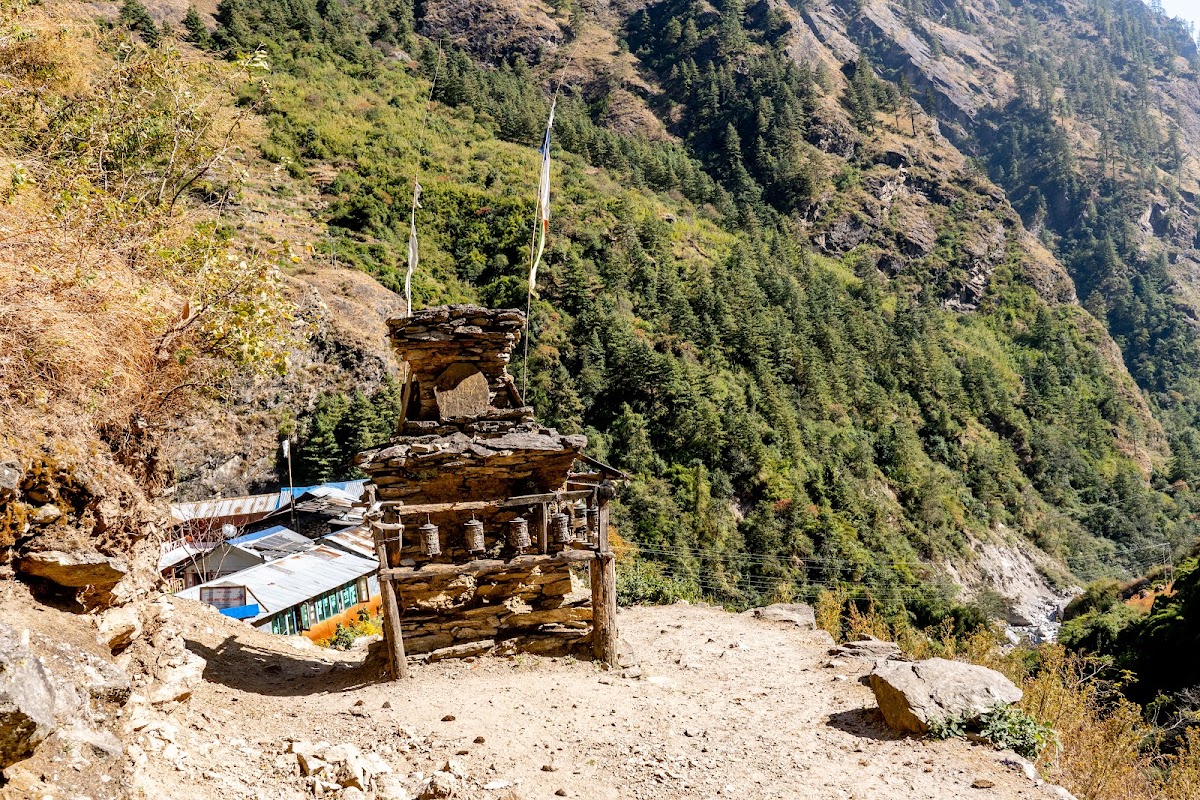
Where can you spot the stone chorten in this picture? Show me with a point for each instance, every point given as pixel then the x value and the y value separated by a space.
pixel 468 439
pixel 467 435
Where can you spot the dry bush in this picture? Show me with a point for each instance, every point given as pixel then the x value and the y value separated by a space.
pixel 1106 750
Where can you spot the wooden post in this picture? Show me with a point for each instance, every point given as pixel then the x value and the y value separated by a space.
pixel 392 632
pixel 603 571
pixel 542 519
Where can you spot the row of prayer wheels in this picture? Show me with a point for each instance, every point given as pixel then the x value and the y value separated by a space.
pixel 561 530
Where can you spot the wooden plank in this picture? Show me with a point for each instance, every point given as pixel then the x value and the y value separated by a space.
pixel 604 597
pixel 479 505
pixel 487 565
pixel 438 508
pixel 392 630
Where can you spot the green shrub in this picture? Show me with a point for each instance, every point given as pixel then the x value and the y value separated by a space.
pixel 643 583
pixel 1007 727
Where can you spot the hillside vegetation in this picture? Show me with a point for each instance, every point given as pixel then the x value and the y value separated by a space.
pixel 761 318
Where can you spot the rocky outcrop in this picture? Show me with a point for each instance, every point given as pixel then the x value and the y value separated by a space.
pixel 75 570
pixel 911 695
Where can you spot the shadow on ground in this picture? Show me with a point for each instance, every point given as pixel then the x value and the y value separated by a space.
pixel 247 668
pixel 864 722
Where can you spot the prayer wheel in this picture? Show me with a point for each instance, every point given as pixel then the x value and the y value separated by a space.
pixel 518 533
pixel 560 523
pixel 593 525
pixel 430 544
pixel 473 531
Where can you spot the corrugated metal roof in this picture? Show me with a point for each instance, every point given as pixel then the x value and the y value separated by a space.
pixel 182 552
pixel 356 540
pixel 338 492
pixel 227 507
pixel 293 579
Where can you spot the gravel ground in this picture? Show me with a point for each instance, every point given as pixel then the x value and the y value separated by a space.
pixel 725 706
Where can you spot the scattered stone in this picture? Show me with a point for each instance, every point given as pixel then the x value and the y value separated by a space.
pixel 549 768
pixel 386 704
pixel 45 514
pixel 118 627
pixel 437 786
pixel 560 793
pixel 448 718
pixel 495 786
pixel 479 740
pixel 982 783
pixel 798 614
pixel 911 694
pixel 632 672
pixel 868 647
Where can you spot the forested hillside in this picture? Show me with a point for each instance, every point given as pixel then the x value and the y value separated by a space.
pixel 817 332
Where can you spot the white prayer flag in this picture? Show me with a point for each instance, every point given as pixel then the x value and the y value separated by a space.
pixel 412 245
pixel 543 200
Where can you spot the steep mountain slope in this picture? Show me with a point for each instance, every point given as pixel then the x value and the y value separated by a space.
pixel 1088 114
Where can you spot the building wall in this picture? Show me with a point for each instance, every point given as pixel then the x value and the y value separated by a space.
pixel 217 563
pixel 304 616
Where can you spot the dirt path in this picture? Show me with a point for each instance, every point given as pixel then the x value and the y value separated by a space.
pixel 727 706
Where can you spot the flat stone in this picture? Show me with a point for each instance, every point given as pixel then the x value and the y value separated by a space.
pixel 73 570
pixel 798 614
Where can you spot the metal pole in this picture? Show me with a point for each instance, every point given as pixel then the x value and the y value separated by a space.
pixel 287 453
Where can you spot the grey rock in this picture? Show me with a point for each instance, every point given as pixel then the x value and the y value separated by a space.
pixel 10 480
pixel 27 699
pixel 912 694
pixel 868 647
pixel 798 614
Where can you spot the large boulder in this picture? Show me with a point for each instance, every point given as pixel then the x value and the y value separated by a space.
pixel 27 699
pixel 798 614
pixel 913 694
pixel 73 570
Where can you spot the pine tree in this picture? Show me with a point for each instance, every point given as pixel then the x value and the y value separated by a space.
pixel 136 17
pixel 197 31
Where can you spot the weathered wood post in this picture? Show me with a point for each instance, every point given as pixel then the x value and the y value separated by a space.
pixel 603 572
pixel 393 634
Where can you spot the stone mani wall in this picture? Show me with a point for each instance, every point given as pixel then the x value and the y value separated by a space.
pixel 513 607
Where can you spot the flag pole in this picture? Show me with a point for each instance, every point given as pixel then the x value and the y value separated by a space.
pixel 541 215
pixel 416 200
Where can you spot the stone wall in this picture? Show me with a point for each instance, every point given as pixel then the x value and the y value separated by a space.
pixel 513 606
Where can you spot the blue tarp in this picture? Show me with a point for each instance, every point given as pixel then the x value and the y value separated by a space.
pixel 241 612
pixel 250 537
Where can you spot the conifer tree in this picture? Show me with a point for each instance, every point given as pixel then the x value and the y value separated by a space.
pixel 197 31
pixel 136 17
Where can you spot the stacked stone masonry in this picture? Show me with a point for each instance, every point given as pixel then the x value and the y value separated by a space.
pixel 467 438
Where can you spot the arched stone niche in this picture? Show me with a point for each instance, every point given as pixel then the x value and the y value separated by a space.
pixel 461 391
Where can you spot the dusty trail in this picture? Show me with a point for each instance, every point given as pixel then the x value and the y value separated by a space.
pixel 727 706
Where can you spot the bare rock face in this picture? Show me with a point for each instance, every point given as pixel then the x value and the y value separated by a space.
pixel 26 699
pixel 798 614
pixel 913 694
